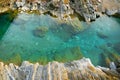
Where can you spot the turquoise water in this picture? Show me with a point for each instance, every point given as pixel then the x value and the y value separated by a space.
pixel 100 41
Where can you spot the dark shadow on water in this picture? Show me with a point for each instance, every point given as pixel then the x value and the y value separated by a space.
pixel 117 17
pixel 5 21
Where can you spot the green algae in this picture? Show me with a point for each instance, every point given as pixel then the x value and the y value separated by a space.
pixel 109 55
pixel 68 54
pixel 16 59
pixel 43 60
pixel 65 55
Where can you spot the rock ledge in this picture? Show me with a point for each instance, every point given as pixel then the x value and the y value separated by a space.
pixel 81 69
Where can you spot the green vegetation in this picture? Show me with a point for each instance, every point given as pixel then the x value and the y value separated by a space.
pixel 68 54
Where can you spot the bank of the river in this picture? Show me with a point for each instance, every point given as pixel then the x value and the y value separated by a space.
pixel 76 70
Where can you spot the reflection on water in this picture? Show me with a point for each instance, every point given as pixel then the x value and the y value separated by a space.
pixel 40 38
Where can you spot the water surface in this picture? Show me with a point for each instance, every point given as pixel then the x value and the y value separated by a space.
pixel 98 42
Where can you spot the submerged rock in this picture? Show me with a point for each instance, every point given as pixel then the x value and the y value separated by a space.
pixel 68 54
pixel 68 29
pixel 40 31
pixel 102 35
pixel 109 55
pixel 117 47
pixel 76 70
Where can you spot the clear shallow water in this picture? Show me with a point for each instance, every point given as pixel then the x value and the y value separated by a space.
pixel 98 41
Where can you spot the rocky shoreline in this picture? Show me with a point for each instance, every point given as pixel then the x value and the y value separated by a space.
pixel 89 9
pixel 81 69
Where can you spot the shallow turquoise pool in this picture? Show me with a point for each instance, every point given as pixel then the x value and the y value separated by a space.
pixel 100 41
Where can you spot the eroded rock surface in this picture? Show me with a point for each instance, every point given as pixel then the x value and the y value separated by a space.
pixel 88 9
pixel 91 9
pixel 77 70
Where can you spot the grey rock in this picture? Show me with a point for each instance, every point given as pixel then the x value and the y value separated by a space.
pixel 88 9
pixel 81 69
pixel 112 66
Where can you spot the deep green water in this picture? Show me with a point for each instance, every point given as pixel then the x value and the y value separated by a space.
pixel 100 41
pixel 4 21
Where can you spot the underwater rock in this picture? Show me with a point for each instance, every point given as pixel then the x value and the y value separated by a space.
pixel 109 44
pixel 19 21
pixel 109 55
pixel 61 32
pixel 16 59
pixel 81 69
pixel 40 31
pixel 67 29
pixel 68 54
pixel 76 26
pixel 117 47
pixel 102 35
